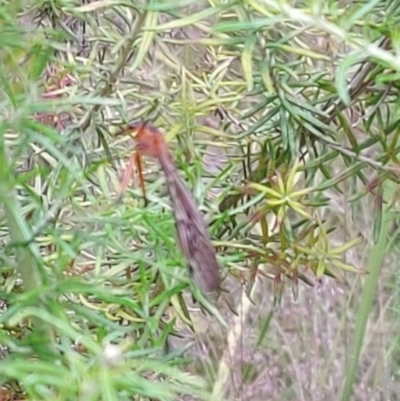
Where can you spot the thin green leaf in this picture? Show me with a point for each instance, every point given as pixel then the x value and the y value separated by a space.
pixel 341 81
pixel 149 23
pixel 265 189
pixel 247 61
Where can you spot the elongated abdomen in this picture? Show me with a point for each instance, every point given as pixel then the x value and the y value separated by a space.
pixel 192 233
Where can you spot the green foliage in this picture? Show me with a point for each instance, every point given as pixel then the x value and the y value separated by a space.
pixel 300 103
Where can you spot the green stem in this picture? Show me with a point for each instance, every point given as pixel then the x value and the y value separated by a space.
pixel 27 255
pixel 367 297
pixel 20 232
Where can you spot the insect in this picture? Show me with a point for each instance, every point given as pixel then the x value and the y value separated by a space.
pixel 192 233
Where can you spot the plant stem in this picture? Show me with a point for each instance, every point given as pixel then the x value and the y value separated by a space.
pixel 367 297
pixel 20 232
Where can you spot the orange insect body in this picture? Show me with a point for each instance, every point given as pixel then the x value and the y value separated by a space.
pixel 192 233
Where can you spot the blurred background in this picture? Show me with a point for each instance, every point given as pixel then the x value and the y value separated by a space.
pixel 282 119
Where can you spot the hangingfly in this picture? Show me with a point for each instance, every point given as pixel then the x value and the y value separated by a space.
pixel 192 233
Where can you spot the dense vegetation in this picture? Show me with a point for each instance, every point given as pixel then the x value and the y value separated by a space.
pixel 282 117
